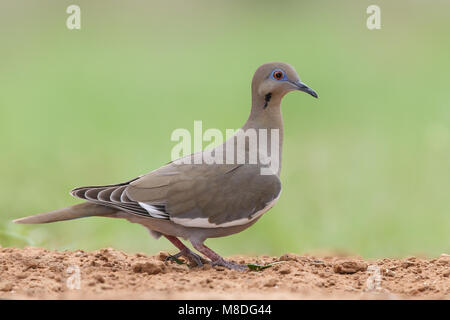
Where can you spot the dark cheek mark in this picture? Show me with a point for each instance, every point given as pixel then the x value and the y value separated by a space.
pixel 267 99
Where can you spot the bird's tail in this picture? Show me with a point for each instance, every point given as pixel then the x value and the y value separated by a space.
pixel 81 210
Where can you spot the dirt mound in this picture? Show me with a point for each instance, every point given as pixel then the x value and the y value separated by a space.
pixel 108 273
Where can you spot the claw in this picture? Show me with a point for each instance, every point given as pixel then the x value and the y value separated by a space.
pixel 216 259
pixel 194 259
pixel 230 265
pixel 174 258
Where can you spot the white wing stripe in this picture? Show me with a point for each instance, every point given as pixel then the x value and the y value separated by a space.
pixel 204 223
pixel 152 211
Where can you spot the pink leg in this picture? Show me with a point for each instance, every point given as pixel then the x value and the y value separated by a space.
pixel 176 242
pixel 215 258
pixel 185 251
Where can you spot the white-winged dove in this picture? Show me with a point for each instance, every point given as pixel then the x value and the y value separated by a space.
pixel 196 201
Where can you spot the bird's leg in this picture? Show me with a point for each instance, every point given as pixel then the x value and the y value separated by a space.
pixel 216 259
pixel 185 252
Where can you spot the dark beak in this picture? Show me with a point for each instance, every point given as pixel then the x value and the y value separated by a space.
pixel 303 87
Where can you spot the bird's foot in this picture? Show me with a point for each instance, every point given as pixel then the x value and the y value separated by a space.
pixel 194 259
pixel 229 264
pixel 216 259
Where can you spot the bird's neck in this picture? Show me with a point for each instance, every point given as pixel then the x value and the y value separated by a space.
pixel 266 114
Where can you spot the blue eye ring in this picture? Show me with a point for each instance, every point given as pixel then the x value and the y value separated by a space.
pixel 278 75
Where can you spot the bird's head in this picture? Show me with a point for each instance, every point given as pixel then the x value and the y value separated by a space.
pixel 275 79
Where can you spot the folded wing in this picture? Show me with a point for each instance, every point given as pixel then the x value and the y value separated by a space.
pixel 192 195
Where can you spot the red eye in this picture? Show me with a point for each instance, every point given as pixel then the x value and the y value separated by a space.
pixel 278 75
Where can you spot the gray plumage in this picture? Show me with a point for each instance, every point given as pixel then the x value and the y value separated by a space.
pixel 199 201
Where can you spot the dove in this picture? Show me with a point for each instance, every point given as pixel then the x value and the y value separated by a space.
pixel 195 199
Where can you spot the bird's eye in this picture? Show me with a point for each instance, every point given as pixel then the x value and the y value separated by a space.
pixel 278 75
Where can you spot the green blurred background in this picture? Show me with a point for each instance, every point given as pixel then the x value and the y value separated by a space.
pixel 366 168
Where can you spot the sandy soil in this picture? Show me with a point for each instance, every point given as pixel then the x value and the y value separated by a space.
pixel 107 274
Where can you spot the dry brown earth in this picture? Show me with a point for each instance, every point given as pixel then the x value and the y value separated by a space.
pixel 110 274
